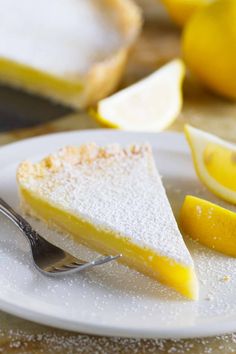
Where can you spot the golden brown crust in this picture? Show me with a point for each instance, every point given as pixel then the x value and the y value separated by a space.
pixel 103 77
pixel 76 155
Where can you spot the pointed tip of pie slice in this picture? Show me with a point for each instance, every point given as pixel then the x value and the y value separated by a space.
pixel 193 291
pixel 183 279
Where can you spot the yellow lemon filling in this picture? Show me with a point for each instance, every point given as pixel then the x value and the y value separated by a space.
pixel 163 269
pixel 112 200
pixel 35 80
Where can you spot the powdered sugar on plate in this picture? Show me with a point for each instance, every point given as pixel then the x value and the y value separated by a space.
pixel 113 299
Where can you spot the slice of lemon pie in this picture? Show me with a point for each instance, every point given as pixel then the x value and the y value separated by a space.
pixel 112 200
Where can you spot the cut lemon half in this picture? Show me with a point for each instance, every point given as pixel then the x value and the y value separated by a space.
pixel 215 162
pixel 152 104
pixel 209 224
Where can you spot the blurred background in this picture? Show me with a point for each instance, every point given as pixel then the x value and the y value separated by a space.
pixel 159 40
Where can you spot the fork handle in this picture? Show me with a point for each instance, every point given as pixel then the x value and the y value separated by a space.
pixel 32 236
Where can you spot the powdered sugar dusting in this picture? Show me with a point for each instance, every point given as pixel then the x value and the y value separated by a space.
pixel 114 294
pixel 117 189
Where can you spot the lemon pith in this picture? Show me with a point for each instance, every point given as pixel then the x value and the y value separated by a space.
pixel 209 224
pixel 214 162
pixel 152 104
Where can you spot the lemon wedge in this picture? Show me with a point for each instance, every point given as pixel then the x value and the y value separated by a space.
pixel 209 224
pixel 215 162
pixel 152 104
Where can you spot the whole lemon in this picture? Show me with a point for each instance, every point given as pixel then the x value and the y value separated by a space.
pixel 209 46
pixel 181 10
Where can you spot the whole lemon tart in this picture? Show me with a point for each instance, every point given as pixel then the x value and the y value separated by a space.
pixel 111 199
pixel 71 51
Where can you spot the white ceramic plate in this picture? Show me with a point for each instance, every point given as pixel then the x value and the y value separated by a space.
pixel 113 300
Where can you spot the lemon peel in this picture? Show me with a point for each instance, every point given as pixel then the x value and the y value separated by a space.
pixel 209 224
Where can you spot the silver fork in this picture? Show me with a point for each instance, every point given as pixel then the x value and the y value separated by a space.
pixel 49 259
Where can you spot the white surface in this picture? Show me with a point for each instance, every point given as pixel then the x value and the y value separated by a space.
pixel 113 300
pixel 62 37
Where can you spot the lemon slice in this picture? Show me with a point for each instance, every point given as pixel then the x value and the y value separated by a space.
pixel 214 161
pixel 209 224
pixel 152 104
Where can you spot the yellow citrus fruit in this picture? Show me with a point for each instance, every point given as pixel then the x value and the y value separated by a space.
pixel 210 224
pixel 215 162
pixel 209 46
pixel 152 104
pixel 181 10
